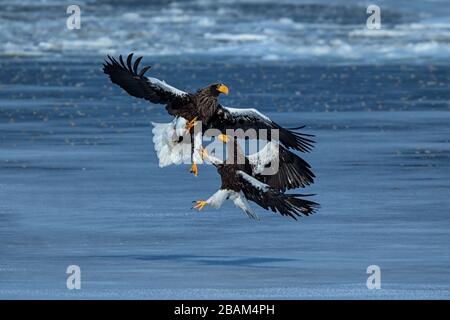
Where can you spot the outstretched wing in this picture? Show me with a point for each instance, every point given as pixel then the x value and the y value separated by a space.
pixel 270 199
pixel 136 84
pixel 280 168
pixel 231 118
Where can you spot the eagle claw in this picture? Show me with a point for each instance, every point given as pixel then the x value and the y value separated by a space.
pixel 194 169
pixel 191 124
pixel 200 204
pixel 223 137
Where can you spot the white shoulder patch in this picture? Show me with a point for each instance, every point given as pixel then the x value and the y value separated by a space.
pixel 250 112
pixel 163 85
pixel 254 182
pixel 266 155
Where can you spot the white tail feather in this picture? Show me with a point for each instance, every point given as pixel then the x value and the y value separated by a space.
pixel 241 202
pixel 169 148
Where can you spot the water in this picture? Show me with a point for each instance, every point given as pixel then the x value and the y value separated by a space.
pixel 79 181
pixel 268 30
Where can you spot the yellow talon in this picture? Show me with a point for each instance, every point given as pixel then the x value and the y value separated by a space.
pixel 194 169
pixel 223 137
pixel 200 204
pixel 191 124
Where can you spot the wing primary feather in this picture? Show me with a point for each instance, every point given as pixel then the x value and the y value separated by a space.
pixel 121 62
pixel 292 205
pixel 115 61
pixel 124 71
pixel 130 56
pixel 297 128
pixel 136 64
pixel 144 70
pixel 303 134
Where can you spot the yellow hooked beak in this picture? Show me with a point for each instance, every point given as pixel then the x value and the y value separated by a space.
pixel 223 89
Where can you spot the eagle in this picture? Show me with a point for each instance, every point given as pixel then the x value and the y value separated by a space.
pixel 242 181
pixel 200 106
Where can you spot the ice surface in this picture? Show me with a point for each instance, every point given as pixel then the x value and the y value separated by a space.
pixel 80 184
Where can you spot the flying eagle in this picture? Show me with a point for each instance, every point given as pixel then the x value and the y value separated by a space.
pixel 242 181
pixel 202 105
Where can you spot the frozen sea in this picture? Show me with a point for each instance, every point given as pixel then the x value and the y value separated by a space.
pixel 80 184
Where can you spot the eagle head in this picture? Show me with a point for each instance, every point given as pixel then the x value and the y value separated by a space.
pixel 217 88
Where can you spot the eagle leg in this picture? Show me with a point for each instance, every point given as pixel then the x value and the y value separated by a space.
pixel 200 204
pixel 203 153
pixel 191 124
pixel 194 169
pixel 223 137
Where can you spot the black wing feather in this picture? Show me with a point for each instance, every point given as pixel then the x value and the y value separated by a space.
pixel 293 172
pixel 136 84
pixel 136 64
pixel 251 119
pixel 292 205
